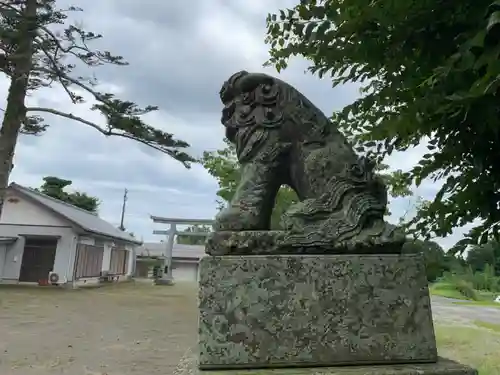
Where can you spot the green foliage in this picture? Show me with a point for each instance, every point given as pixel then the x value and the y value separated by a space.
pixel 54 187
pixel 430 73
pixel 414 206
pixel 223 165
pixel 455 288
pixel 466 289
pixel 436 260
pixel 52 57
pixel 469 284
pixel 393 181
pixel 284 199
pixel 482 256
pixel 194 240
pixel 485 280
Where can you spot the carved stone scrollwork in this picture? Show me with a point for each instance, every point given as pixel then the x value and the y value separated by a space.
pixel 282 138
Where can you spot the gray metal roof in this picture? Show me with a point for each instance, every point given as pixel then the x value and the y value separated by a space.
pixel 86 220
pixel 179 251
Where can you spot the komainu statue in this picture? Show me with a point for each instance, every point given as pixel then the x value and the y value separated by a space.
pixel 281 138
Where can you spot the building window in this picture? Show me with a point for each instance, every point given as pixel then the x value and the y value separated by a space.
pixel 88 261
pixel 119 261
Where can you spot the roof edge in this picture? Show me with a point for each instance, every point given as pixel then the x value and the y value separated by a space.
pixel 18 187
pixel 21 189
pixel 135 242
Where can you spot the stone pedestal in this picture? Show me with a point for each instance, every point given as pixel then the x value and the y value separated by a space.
pixel 314 310
pixel 441 367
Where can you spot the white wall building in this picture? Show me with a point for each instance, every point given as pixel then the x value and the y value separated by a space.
pixel 40 234
pixel 185 259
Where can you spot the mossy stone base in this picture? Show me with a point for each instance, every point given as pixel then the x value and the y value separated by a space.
pixel 313 310
pixel 442 367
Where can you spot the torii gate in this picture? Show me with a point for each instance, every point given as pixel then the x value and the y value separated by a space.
pixel 167 277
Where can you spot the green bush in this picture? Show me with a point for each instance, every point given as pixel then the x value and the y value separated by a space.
pixel 469 284
pixel 466 289
pixel 455 287
pixel 486 280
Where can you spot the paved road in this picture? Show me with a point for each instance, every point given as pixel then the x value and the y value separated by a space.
pixel 446 310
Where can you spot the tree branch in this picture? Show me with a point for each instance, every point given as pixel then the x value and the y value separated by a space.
pixel 99 58
pixel 103 131
pixel 58 44
pixel 74 81
pixel 59 73
pixel 4 4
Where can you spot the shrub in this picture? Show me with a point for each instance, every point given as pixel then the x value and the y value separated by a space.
pixel 466 289
pixel 457 285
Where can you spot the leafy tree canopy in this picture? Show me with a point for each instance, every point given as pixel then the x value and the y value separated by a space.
pixel 430 73
pixel 481 256
pixel 437 261
pixel 54 187
pixel 193 240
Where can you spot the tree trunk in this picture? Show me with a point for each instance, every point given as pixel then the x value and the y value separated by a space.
pixel 15 111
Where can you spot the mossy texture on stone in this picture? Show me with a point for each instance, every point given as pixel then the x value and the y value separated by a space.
pixel 312 310
pixel 275 242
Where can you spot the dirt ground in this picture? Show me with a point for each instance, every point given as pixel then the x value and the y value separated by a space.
pixel 129 328
pixel 138 328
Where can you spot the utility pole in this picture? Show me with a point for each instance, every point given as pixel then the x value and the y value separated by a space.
pixel 124 206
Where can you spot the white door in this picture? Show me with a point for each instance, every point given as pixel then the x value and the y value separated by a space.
pixel 185 271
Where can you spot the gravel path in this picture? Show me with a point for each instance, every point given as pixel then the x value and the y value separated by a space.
pixel 447 310
pixel 117 330
pixel 127 329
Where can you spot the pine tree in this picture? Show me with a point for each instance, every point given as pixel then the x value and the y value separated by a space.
pixel 39 48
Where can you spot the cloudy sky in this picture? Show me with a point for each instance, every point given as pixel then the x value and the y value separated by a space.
pixel 180 53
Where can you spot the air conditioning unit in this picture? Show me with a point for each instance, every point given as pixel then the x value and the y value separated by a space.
pixel 53 278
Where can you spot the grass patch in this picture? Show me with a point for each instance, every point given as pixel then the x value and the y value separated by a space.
pixel 488 325
pixel 484 295
pixel 478 348
pixel 479 303
pixel 446 290
pixel 462 291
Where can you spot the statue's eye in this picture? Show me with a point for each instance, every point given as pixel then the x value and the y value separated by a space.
pixel 246 98
pixel 266 89
pixel 245 110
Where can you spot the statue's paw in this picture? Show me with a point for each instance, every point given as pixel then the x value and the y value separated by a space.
pixel 233 220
